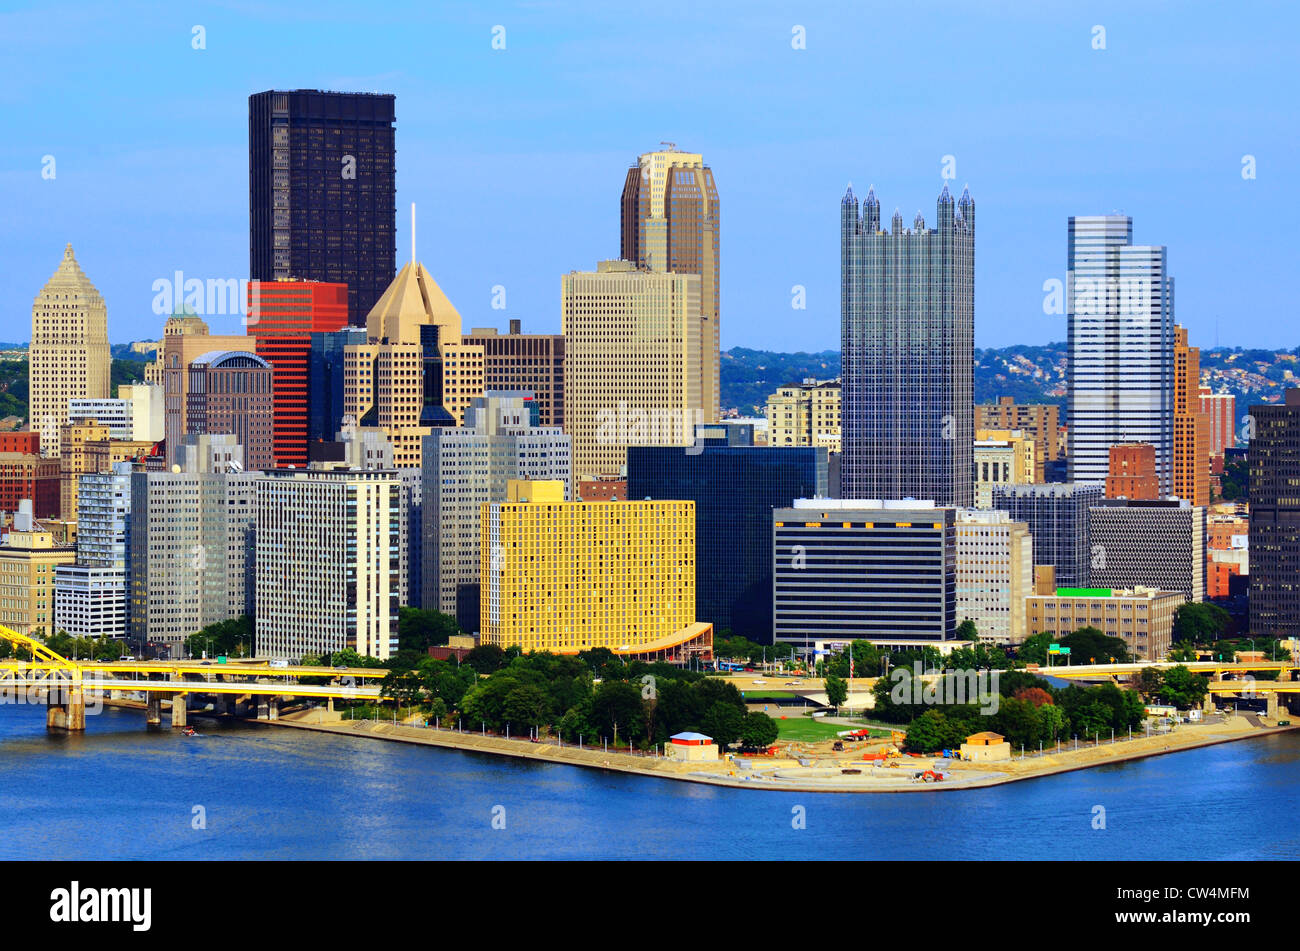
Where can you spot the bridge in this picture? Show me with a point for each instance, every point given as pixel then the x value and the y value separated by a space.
pixel 1226 679
pixel 66 682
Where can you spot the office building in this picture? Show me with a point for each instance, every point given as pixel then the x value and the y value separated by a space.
pixel 1221 409
pixel 995 573
pixel 907 318
pixel 848 569
pixel 632 362
pixel 282 316
pixel 1000 457
pixel 805 414
pixel 670 221
pixel 191 543
pixel 414 374
pixel 1158 543
pixel 322 191
pixel 1131 472
pixel 735 487
pixel 1191 454
pixel 185 338
pixel 1042 422
pixel 231 391
pixel 327 562
pixel 1120 309
pixel 532 363
pixel 69 356
pixel 566 577
pixel 86 447
pixel 90 595
pixel 1058 518
pixel 325 405
pixel 466 467
pixel 1142 617
pixel 136 414
pixel 26 474
pixel 1275 519
pixel 29 557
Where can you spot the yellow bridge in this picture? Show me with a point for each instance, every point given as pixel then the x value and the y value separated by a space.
pixel 65 684
pixel 1231 679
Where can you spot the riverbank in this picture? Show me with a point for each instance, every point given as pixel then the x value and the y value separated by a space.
pixel 818 773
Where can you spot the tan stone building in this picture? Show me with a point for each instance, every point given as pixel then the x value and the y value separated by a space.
pixel 85 447
pixel 520 361
pixel 1001 457
pixel 185 339
pixel 385 379
pixel 1143 617
pixel 1041 422
pixel 28 557
pixel 1191 475
pixel 805 414
pixel 995 574
pixel 632 352
pixel 69 356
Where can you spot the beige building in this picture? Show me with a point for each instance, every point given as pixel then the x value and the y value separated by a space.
pixel 185 339
pixel 805 414
pixel 1042 422
pixel 29 556
pixel 632 363
pixel 1143 617
pixel 1001 457
pixel 995 574
pixel 384 378
pixel 85 447
pixel 670 221
pixel 520 361
pixel 69 356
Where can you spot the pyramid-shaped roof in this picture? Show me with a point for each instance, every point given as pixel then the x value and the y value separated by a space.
pixel 69 275
pixel 413 299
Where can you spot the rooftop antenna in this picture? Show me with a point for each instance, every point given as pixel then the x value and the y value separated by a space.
pixel 672 146
pixel 412 232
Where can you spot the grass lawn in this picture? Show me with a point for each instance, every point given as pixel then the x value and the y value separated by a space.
pixel 808 730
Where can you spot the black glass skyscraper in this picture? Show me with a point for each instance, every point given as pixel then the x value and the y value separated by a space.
pixel 907 313
pixel 322 191
pixel 735 486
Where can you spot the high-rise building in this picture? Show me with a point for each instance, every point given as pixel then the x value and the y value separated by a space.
pixel 520 361
pixel 907 318
pixel 69 355
pixel 322 191
pixel 231 391
pixel 191 543
pixel 1131 472
pixel 26 474
pixel 1057 514
pixel 849 569
pixel 135 414
pixel 414 374
pixel 90 595
pixel 466 467
pixel 29 557
pixel 1191 454
pixel 995 573
pixel 735 485
pixel 566 577
pixel 186 337
pixel 1120 308
pixel 632 370
pixel 805 414
pixel 1221 408
pixel 1158 543
pixel 669 221
pixel 328 562
pixel 282 316
pixel 1000 457
pixel 325 382
pixel 1275 519
pixel 86 447
pixel 1040 421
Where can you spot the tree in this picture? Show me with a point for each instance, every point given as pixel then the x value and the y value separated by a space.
pixel 617 710
pixel 419 630
pixel 526 705
pixel 1018 721
pixel 1149 681
pixel 966 631
pixel 1184 689
pixel 723 722
pixel 486 658
pixel 1035 695
pixel 1200 622
pixel 837 690
pixel 758 731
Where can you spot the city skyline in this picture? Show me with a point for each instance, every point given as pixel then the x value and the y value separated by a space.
pixel 462 156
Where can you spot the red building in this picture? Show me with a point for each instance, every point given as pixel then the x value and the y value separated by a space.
pixel 24 442
pixel 25 475
pixel 282 316
pixel 1132 472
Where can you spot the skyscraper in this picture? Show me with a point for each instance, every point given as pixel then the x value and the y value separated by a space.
pixel 1191 452
pixel 322 190
pixel 1275 519
pixel 69 355
pixel 907 319
pixel 231 392
pixel 1120 308
pixel 1058 516
pixel 670 222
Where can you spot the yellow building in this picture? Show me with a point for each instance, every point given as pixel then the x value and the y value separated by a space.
pixel 69 355
pixel 1143 617
pixel 805 414
pixel 85 447
pixel 1191 458
pixel 569 576
pixel 633 363
pixel 28 557
pixel 384 378
pixel 1001 457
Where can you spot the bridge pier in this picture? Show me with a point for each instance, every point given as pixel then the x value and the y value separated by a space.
pixel 221 705
pixel 65 709
pixel 1272 710
pixel 268 708
pixel 179 710
pixel 153 710
pixel 1207 705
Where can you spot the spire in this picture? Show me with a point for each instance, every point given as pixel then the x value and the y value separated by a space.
pixel 896 222
pixel 965 196
pixel 871 196
pixel 945 196
pixel 918 223
pixel 848 195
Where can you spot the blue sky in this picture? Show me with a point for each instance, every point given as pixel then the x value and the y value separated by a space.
pixel 516 157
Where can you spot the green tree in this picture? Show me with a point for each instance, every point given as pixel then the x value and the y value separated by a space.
pixel 1200 622
pixel 1184 689
pixel 486 658
pixel 419 630
pixel 758 731
pixel 723 722
pixel 837 690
